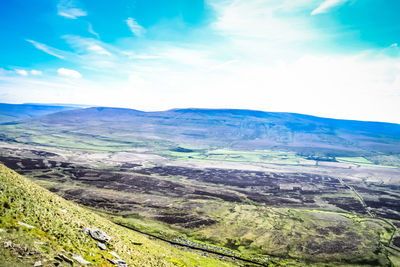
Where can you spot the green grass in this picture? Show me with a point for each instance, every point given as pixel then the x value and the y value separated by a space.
pixel 262 232
pixel 102 139
pixel 287 232
pixel 228 155
pixel 58 232
pixel 364 162
pixel 356 160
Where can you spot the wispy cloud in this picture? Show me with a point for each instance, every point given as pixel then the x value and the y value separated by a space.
pixel 325 6
pixel 68 9
pixel 91 30
pixel 86 45
pixel 47 49
pixel 69 73
pixel 98 49
pixel 132 55
pixel 135 28
pixel 254 21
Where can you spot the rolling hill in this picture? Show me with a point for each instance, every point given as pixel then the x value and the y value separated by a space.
pixel 204 128
pixel 13 112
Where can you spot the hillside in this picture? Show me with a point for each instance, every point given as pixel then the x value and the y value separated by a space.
pixel 37 226
pixel 119 129
pixel 267 187
pixel 13 112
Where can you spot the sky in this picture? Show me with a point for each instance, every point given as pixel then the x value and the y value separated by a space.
pixel 330 58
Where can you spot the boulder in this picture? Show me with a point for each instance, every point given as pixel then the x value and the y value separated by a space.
pixel 80 260
pixel 97 234
pixel 102 246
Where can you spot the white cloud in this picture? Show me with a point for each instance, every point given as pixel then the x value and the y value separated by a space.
pixel 326 5
pixel 256 29
pixel 21 72
pixel 36 72
pixel 69 73
pixel 68 9
pixel 47 49
pixel 135 28
pixel 332 86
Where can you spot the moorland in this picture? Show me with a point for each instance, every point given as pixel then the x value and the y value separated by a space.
pixel 273 188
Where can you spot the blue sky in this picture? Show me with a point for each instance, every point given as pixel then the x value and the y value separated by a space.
pixel 333 58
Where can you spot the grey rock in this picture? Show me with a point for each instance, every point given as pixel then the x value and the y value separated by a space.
pixel 37 264
pixel 80 260
pixel 65 258
pixel 97 234
pixel 26 225
pixel 118 262
pixel 7 244
pixel 136 243
pixel 102 246
pixel 114 254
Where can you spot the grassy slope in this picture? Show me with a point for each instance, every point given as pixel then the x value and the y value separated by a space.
pixel 112 129
pixel 237 129
pixel 58 232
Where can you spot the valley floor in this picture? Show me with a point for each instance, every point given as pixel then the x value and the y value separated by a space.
pixel 272 213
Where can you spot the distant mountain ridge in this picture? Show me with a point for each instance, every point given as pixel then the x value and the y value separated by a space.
pixel 13 112
pixel 237 129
